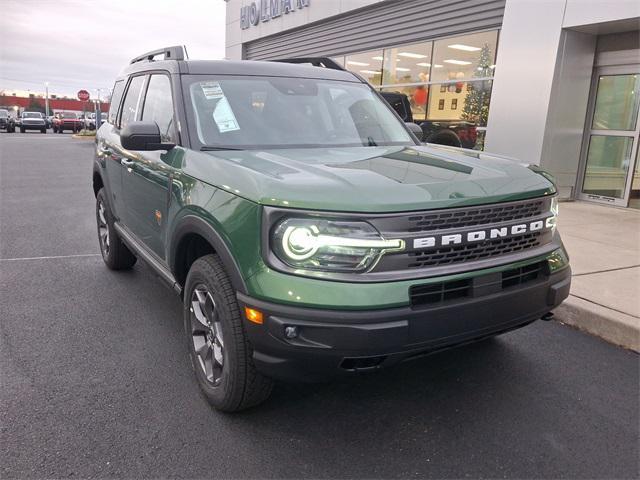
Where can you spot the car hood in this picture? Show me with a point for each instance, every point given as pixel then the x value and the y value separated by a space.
pixel 367 179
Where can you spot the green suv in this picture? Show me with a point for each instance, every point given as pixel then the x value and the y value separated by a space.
pixel 307 231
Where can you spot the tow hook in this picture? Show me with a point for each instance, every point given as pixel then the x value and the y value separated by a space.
pixel 547 316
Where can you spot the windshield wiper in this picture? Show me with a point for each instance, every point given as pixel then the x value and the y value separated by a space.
pixel 371 142
pixel 215 148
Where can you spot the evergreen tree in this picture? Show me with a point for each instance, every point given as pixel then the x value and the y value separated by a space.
pixel 476 104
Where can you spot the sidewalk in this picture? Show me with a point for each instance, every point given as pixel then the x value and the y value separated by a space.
pixel 604 247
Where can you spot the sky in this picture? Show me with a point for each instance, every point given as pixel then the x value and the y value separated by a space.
pixel 84 44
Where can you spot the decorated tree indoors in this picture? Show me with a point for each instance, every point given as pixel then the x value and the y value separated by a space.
pixel 476 104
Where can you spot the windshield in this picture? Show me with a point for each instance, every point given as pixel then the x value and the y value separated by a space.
pixel 69 115
pixel 31 115
pixel 276 112
pixel 4 114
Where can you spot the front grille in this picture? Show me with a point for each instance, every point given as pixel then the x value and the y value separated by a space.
pixel 471 216
pixel 439 292
pixel 476 251
pixel 526 274
pixel 481 285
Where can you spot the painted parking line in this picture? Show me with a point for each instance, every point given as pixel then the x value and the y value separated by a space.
pixel 52 257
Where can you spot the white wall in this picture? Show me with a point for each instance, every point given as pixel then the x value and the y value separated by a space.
pixel 542 80
pixel 524 73
pixel 317 10
pixel 587 12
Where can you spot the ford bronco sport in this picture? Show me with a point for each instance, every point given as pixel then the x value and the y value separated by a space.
pixel 307 231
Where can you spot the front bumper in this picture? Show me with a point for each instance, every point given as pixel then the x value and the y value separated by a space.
pixel 32 126
pixel 335 342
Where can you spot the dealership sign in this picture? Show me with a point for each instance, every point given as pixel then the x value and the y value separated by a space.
pixel 83 95
pixel 264 10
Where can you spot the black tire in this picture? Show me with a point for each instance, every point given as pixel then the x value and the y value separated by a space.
pixel 22 130
pixel 445 137
pixel 44 130
pixel 239 385
pixel 115 253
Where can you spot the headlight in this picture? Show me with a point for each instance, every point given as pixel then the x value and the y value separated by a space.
pixel 330 245
pixel 552 221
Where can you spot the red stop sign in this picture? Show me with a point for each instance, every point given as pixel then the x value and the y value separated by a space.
pixel 83 95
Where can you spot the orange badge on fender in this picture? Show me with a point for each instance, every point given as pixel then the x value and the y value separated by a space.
pixel 158 217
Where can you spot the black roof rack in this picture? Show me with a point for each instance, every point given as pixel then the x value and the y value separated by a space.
pixel 325 62
pixel 170 53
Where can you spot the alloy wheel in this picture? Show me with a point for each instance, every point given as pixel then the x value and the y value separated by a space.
pixel 206 334
pixel 103 229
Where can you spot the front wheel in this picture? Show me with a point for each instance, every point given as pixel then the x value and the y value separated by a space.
pixel 44 130
pixel 220 352
pixel 115 253
pixel 22 130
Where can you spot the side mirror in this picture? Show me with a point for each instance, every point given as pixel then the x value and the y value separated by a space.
pixel 143 136
pixel 415 129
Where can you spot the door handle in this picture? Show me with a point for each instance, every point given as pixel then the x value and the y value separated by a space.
pixel 127 163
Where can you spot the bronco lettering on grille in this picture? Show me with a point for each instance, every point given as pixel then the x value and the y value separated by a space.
pixel 479 235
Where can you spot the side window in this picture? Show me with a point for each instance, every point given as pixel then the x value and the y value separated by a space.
pixel 116 96
pixel 158 106
pixel 132 101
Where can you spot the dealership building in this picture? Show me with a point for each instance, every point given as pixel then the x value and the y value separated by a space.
pixel 549 82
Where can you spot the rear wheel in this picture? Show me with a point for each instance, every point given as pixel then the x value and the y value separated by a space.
pixel 115 253
pixel 220 352
pixel 445 137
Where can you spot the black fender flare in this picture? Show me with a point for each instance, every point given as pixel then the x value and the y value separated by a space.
pixel 190 224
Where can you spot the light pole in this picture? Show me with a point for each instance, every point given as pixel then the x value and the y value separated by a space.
pixel 46 98
pixel 97 110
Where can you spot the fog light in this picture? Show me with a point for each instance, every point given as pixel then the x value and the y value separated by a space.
pixel 291 332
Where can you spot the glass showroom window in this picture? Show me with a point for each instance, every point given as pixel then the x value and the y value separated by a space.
pixel 464 57
pixel 367 64
pixel 463 101
pixel 417 95
pixel 338 60
pixel 407 64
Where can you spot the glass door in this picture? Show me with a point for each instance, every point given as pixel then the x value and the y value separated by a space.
pixel 610 173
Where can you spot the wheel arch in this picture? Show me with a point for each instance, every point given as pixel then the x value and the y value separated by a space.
pixel 97 182
pixel 194 237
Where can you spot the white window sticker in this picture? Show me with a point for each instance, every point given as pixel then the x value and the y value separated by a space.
pixel 224 117
pixel 211 90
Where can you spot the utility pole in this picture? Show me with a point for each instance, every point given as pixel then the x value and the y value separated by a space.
pixel 98 113
pixel 46 98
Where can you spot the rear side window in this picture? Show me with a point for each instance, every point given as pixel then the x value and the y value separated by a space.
pixel 158 106
pixel 118 89
pixel 131 102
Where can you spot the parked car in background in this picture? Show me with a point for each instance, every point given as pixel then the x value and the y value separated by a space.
pixel 4 120
pixel 67 121
pixel 455 133
pixel 92 120
pixel 32 121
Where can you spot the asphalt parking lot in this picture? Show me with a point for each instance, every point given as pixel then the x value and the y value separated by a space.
pixel 96 381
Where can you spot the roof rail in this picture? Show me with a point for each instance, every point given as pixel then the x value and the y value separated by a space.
pixel 324 62
pixel 170 53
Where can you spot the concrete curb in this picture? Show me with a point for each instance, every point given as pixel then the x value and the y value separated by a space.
pixel 613 326
pixel 83 137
